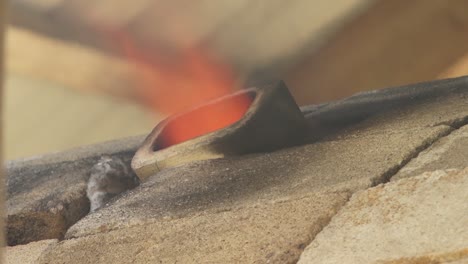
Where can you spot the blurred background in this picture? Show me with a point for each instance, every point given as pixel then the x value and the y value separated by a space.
pixel 81 71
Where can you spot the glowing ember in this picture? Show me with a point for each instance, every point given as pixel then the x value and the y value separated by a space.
pixel 189 125
pixel 180 85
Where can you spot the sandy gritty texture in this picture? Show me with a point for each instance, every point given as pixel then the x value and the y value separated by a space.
pixel 47 194
pixel 448 152
pixel 252 209
pixel 29 253
pixel 421 219
pixel 266 207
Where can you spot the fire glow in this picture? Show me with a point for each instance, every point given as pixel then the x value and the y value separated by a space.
pixel 180 85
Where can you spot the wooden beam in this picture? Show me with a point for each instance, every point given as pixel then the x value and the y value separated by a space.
pixel 394 42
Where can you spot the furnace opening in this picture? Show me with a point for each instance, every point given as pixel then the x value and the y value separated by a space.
pixel 204 119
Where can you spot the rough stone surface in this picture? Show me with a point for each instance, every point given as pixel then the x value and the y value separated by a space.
pixel 446 97
pixel 421 219
pixel 29 253
pixel 256 233
pixel 188 203
pixel 448 152
pixel 47 194
pixel 450 111
pixel 350 164
pixel 260 208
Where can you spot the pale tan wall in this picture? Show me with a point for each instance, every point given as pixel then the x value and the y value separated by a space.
pixel 343 47
pixel 56 81
pixel 44 117
pixel 57 97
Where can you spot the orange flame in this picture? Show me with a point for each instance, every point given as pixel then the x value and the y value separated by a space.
pixel 193 79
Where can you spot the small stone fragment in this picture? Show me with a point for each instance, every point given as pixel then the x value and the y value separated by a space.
pixel 109 177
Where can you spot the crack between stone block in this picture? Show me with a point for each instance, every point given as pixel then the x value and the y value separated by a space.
pixel 386 176
pixel 453 125
pixel 323 222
